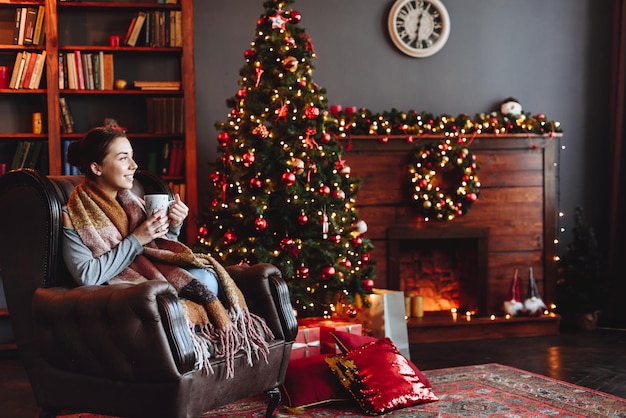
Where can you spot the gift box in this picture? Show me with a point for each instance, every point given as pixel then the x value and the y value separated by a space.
pixel 326 327
pixel 307 343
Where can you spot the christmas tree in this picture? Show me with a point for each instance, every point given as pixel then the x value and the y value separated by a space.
pixel 281 191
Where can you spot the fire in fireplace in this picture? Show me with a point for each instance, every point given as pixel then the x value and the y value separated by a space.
pixel 446 266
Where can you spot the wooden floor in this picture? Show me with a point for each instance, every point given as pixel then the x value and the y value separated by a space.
pixel 596 360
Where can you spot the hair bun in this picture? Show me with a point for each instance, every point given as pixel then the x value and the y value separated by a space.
pixel 73 153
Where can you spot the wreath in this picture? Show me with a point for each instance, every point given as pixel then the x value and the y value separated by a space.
pixel 443 180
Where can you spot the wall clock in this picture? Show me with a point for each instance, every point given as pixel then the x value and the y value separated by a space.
pixel 419 28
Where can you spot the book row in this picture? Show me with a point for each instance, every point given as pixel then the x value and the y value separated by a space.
pixel 29 25
pixel 158 28
pixel 166 115
pixel 80 70
pixel 169 161
pixel 27 70
pixel 30 154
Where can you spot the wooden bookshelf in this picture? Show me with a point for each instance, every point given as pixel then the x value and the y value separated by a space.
pixel 86 27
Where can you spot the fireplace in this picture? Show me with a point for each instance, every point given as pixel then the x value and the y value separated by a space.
pixel 446 266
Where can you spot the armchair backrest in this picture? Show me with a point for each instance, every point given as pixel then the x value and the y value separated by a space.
pixel 30 242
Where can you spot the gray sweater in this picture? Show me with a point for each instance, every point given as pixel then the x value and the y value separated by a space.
pixel 87 269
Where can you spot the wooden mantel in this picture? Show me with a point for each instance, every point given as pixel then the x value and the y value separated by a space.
pixel 517 203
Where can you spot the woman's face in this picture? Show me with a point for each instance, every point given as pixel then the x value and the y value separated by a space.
pixel 117 170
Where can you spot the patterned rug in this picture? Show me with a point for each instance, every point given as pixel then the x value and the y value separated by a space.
pixel 489 390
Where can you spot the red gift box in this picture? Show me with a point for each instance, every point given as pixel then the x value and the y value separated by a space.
pixel 327 326
pixel 307 343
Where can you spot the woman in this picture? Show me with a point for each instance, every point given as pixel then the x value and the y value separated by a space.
pixel 108 238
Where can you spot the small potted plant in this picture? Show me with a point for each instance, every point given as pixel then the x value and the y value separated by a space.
pixel 581 281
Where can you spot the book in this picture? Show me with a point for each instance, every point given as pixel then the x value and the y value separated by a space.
pixel 136 29
pixel 178 157
pixel 165 159
pixel 33 154
pixel 16 68
pixel 16 28
pixel 62 72
pixel 20 70
pixel 40 32
pixel 16 156
pixel 95 65
pixel 28 70
pixel 72 82
pixel 158 85
pixel 88 70
pixel 29 25
pixel 20 38
pixel 174 150
pixel 178 28
pixel 67 122
pixel 38 70
pixel 129 30
pixel 80 72
pixel 108 71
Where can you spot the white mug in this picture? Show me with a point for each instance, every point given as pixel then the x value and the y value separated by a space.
pixel 156 202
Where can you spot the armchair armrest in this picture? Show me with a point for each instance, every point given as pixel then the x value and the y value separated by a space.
pixel 122 331
pixel 267 296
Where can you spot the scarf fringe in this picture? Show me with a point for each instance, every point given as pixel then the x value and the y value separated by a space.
pixel 248 332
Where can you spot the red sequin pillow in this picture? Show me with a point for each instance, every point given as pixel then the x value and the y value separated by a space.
pixel 347 342
pixel 379 377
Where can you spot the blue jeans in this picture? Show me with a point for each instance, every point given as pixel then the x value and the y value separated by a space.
pixel 207 278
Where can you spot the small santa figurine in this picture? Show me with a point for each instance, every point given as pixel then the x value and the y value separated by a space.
pixel 533 304
pixel 511 106
pixel 513 306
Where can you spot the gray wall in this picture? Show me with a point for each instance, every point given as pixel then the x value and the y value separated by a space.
pixel 553 55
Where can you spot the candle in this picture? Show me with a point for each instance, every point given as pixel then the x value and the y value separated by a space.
pixel 335 109
pixel 417 306
pixel 350 110
pixel 407 306
pixel 454 314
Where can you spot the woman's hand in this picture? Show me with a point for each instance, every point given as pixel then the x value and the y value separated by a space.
pixel 178 211
pixel 156 226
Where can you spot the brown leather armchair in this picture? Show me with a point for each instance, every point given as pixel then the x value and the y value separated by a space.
pixel 122 349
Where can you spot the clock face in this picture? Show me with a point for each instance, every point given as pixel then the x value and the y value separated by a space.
pixel 419 28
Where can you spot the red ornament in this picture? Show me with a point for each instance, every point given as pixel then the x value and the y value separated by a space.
pixel 339 194
pixel 326 138
pixel 290 64
pixel 337 239
pixel 328 272
pixel 346 263
pixel 302 273
pixel 472 197
pixel 260 224
pixel 312 112
pixel 286 243
pixel 249 53
pixel 223 138
pixel 255 183
pixel 241 93
pixel 295 16
pixel 215 203
pixel 303 219
pixel 365 258
pixel 288 179
pixel 368 285
pixel 357 241
pixel 229 237
pixel 203 231
pixel 248 159
pixel 324 189
pixel 261 131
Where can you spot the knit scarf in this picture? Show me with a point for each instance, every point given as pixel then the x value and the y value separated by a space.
pixel 217 330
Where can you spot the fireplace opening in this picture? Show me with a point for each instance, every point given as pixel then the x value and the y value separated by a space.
pixel 446 266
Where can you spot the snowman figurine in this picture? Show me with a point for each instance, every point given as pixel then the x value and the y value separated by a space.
pixel 511 106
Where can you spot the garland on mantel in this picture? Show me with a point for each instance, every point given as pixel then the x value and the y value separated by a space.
pixel 418 124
